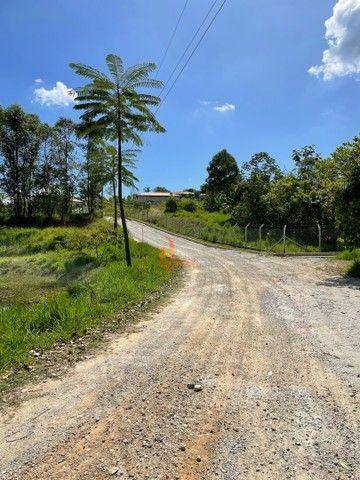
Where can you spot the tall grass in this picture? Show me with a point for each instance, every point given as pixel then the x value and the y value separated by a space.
pixel 352 255
pixel 92 279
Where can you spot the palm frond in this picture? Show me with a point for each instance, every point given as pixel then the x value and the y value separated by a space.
pixel 147 83
pixel 115 66
pixel 89 72
pixel 148 99
pixel 137 73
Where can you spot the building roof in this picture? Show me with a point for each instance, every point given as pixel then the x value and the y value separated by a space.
pixel 155 194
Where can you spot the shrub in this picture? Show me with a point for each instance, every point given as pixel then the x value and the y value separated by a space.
pixel 354 270
pixel 190 206
pixel 171 206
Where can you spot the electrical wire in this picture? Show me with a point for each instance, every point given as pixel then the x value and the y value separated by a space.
pixel 172 37
pixel 189 45
pixel 192 54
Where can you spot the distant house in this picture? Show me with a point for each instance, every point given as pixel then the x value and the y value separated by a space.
pixel 185 193
pixel 78 205
pixel 153 197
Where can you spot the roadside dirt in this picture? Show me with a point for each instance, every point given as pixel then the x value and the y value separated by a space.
pixel 274 343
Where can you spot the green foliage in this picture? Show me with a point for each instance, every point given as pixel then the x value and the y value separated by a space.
pixel 189 206
pixel 171 206
pixel 346 159
pixel 223 174
pixel 20 138
pixel 249 200
pixel 353 254
pixel 324 191
pixel 354 270
pixel 68 287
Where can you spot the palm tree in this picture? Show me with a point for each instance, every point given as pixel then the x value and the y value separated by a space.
pixel 128 177
pixel 115 108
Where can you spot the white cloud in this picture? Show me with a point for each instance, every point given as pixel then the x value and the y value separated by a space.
pixel 343 36
pixel 38 80
pixel 226 107
pixel 60 95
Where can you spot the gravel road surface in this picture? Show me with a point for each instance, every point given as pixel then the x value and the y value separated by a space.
pixel 272 347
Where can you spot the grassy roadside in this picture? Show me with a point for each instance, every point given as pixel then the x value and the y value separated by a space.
pixel 352 256
pixel 59 284
pixel 215 228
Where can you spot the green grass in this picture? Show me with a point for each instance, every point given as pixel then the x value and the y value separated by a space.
pixel 354 269
pixel 58 283
pixel 352 255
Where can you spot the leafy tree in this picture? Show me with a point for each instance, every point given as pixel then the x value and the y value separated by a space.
pixel 345 163
pixel 95 174
pixel 305 160
pixel 64 145
pixel 115 108
pixel 20 137
pixel 250 204
pixel 47 181
pixel 223 174
pixel 309 202
pixel 161 189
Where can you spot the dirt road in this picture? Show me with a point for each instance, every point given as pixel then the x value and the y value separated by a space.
pixel 274 344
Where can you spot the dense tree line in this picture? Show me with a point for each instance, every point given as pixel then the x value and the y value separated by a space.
pixel 46 171
pixel 43 167
pixel 317 190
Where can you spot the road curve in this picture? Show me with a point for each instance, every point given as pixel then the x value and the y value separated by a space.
pixel 274 343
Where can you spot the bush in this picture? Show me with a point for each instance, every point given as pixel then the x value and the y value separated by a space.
pixel 190 206
pixel 354 270
pixel 171 206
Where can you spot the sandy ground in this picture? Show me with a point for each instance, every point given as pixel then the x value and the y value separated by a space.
pixel 274 343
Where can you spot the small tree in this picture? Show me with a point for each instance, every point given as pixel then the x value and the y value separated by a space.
pixel 223 173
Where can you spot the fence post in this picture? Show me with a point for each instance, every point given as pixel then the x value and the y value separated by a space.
pixel 246 229
pixel 260 228
pixel 284 239
pixel 319 237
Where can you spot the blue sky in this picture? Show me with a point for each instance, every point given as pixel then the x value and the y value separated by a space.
pixel 255 58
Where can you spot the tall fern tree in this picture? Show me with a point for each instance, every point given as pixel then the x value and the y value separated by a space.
pixel 116 107
pixel 128 177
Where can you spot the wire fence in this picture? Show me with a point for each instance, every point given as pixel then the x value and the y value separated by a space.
pixel 284 239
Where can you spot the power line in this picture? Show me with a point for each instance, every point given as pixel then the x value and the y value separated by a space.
pixel 192 53
pixel 172 37
pixel 189 45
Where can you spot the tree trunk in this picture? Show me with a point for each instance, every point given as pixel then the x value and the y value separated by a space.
pixel 115 201
pixel 121 204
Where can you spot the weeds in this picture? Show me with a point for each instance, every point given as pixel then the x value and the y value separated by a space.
pixel 57 283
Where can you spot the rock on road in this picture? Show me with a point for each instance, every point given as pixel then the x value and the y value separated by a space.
pixel 272 345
